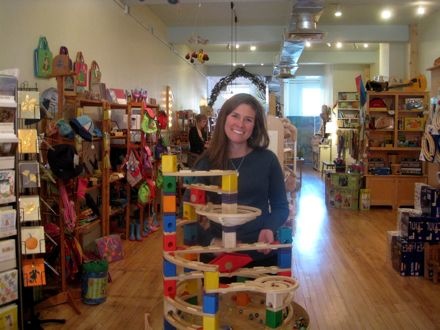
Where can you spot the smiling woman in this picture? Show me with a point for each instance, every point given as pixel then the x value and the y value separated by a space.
pixel 240 143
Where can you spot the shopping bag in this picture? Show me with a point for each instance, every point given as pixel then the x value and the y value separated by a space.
pixel 80 68
pixel 62 64
pixel 94 74
pixel 42 59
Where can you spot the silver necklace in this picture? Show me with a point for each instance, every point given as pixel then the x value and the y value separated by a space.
pixel 237 168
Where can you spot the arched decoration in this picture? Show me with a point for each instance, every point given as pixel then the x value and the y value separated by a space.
pixel 239 72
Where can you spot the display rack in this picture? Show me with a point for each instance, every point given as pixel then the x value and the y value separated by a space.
pixel 348 110
pixel 10 230
pixel 394 129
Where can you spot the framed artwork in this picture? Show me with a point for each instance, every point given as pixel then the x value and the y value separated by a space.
pixel 32 240
pixel 30 208
pixel 29 174
pixel 29 104
pixel 8 286
pixel 7 186
pixel 8 223
pixel 27 141
pixel 33 272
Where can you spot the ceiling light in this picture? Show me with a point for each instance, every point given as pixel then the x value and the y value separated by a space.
pixel 421 11
pixel 308 44
pixel 262 64
pixel 386 14
pixel 366 45
pixel 338 12
pixel 339 44
pixel 237 46
pixel 329 44
pixel 253 48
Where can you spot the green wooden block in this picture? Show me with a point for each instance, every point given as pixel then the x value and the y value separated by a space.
pixel 274 319
pixel 169 184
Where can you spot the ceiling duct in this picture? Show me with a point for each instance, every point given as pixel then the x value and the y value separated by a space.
pixel 302 25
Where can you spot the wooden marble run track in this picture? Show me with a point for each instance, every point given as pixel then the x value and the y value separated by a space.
pixel 194 297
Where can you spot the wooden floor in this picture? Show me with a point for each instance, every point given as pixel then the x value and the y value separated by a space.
pixel 340 259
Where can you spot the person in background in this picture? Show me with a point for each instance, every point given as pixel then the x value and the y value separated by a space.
pixel 240 142
pixel 198 135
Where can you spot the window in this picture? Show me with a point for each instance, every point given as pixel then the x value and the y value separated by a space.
pixel 303 96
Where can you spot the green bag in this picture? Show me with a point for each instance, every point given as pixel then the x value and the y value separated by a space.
pixel 42 59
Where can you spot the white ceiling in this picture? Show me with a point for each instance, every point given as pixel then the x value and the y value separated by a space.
pixel 263 23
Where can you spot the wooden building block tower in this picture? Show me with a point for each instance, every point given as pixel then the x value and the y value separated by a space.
pixel 183 290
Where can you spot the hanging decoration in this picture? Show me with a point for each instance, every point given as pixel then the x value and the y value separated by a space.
pixel 200 56
pixel 197 55
pixel 225 81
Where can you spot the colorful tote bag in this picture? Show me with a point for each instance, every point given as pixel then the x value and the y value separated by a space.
pixel 94 74
pixel 80 70
pixel 42 59
pixel 62 64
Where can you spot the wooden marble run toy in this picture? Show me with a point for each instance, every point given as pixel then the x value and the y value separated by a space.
pixel 193 295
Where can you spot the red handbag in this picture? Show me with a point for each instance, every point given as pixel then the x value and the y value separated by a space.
pixel 80 68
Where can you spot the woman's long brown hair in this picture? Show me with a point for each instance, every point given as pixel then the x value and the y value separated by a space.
pixel 217 152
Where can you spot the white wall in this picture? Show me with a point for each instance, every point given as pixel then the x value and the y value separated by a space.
pixel 129 55
pixel 429 43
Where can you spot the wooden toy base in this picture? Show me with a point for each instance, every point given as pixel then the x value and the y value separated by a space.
pixel 250 315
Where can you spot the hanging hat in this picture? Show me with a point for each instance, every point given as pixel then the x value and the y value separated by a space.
pixel 83 125
pixel 144 193
pixel 64 129
pixel 377 103
pixel 64 161
pixel 162 119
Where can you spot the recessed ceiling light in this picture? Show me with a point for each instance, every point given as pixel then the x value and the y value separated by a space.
pixel 420 11
pixel 366 45
pixel 308 44
pixel 338 13
pixel 253 48
pixel 386 14
pixel 329 44
pixel 237 46
pixel 339 44
pixel 262 64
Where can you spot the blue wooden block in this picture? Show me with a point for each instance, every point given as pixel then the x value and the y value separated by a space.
pixel 284 258
pixel 210 303
pixel 284 235
pixel 169 269
pixel 169 223
pixel 168 326
pixel 190 234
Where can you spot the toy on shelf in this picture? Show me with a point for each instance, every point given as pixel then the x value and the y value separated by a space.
pixel 193 295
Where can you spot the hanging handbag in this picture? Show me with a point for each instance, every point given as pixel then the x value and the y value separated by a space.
pixel 42 59
pixel 134 174
pixel 94 74
pixel 62 64
pixel 80 68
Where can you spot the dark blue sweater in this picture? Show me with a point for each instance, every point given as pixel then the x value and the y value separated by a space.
pixel 261 185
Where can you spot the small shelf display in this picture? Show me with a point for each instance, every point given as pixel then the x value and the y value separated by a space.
pixel 348 110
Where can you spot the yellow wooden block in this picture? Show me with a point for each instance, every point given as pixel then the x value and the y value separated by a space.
pixel 189 212
pixel 230 183
pixel 169 203
pixel 192 286
pixel 169 163
pixel 212 280
pixel 211 323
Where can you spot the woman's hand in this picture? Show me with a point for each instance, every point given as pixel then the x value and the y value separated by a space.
pixel 265 236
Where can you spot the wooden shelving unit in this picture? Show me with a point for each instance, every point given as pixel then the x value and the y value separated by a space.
pixel 394 128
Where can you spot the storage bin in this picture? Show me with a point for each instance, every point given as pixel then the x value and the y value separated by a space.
pixel 94 282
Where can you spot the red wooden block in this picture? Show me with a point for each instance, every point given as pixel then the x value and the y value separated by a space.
pixel 229 262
